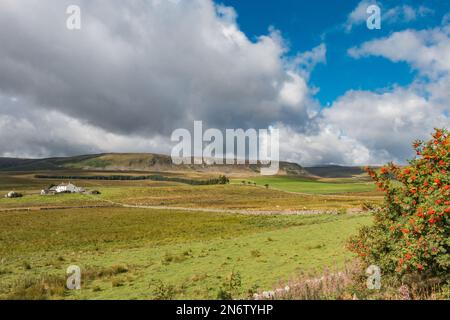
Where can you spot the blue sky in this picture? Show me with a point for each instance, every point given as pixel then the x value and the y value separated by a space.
pixel 306 24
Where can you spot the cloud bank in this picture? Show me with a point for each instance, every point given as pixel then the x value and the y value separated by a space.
pixel 144 68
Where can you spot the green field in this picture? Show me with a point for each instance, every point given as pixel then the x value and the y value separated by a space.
pixel 189 252
pixel 325 186
pixel 330 195
pixel 177 248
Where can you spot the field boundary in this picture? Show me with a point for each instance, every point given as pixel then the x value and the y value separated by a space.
pixel 237 211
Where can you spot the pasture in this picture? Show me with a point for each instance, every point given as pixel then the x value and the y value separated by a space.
pixel 167 252
pixel 319 186
pixel 188 254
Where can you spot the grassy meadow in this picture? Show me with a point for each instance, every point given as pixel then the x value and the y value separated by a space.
pixel 322 186
pixel 167 252
pixel 190 252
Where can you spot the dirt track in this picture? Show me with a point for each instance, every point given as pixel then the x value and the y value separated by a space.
pixel 233 211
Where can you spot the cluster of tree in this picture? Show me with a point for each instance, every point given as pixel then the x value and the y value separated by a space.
pixel 249 183
pixel 219 180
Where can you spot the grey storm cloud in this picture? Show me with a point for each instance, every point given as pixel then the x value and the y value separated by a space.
pixel 146 67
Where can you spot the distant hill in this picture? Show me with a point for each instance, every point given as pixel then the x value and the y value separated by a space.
pixel 17 164
pixel 135 162
pixel 159 163
pixel 335 171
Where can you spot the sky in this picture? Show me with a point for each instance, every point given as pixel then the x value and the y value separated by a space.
pixel 339 92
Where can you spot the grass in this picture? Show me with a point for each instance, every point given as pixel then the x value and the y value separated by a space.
pixel 325 194
pixel 325 186
pixel 214 197
pixel 230 197
pixel 27 182
pixel 128 253
pixel 93 163
pixel 36 200
pixel 184 255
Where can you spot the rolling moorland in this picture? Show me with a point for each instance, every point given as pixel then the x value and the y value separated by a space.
pixel 148 239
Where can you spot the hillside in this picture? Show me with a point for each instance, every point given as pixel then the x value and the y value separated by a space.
pixel 335 171
pixel 17 164
pixel 160 163
pixel 135 162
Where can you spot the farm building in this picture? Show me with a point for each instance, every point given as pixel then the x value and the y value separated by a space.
pixel 13 194
pixel 63 188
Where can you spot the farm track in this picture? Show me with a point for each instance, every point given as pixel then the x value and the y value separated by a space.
pixel 113 204
pixel 55 208
pixel 234 211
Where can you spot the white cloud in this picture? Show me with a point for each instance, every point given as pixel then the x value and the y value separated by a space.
pixel 359 14
pixel 427 51
pixel 305 62
pixel 385 123
pixel 405 13
pixel 446 19
pixel 389 15
pixel 294 92
pixel 324 145
pixel 364 127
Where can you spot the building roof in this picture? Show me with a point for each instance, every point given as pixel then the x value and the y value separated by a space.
pixel 68 186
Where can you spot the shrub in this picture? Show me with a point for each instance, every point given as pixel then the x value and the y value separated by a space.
pixel 119 269
pixel 26 265
pixel 175 258
pixel 95 273
pixel 230 286
pixel 117 283
pixel 222 294
pixel 410 234
pixel 162 291
pixel 42 288
pixel 368 206
pixel 256 253
pixel 4 271
pixel 97 289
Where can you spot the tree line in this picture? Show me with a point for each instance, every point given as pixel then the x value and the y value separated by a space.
pixel 220 180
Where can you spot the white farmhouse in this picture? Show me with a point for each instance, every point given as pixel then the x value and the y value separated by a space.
pixel 66 188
